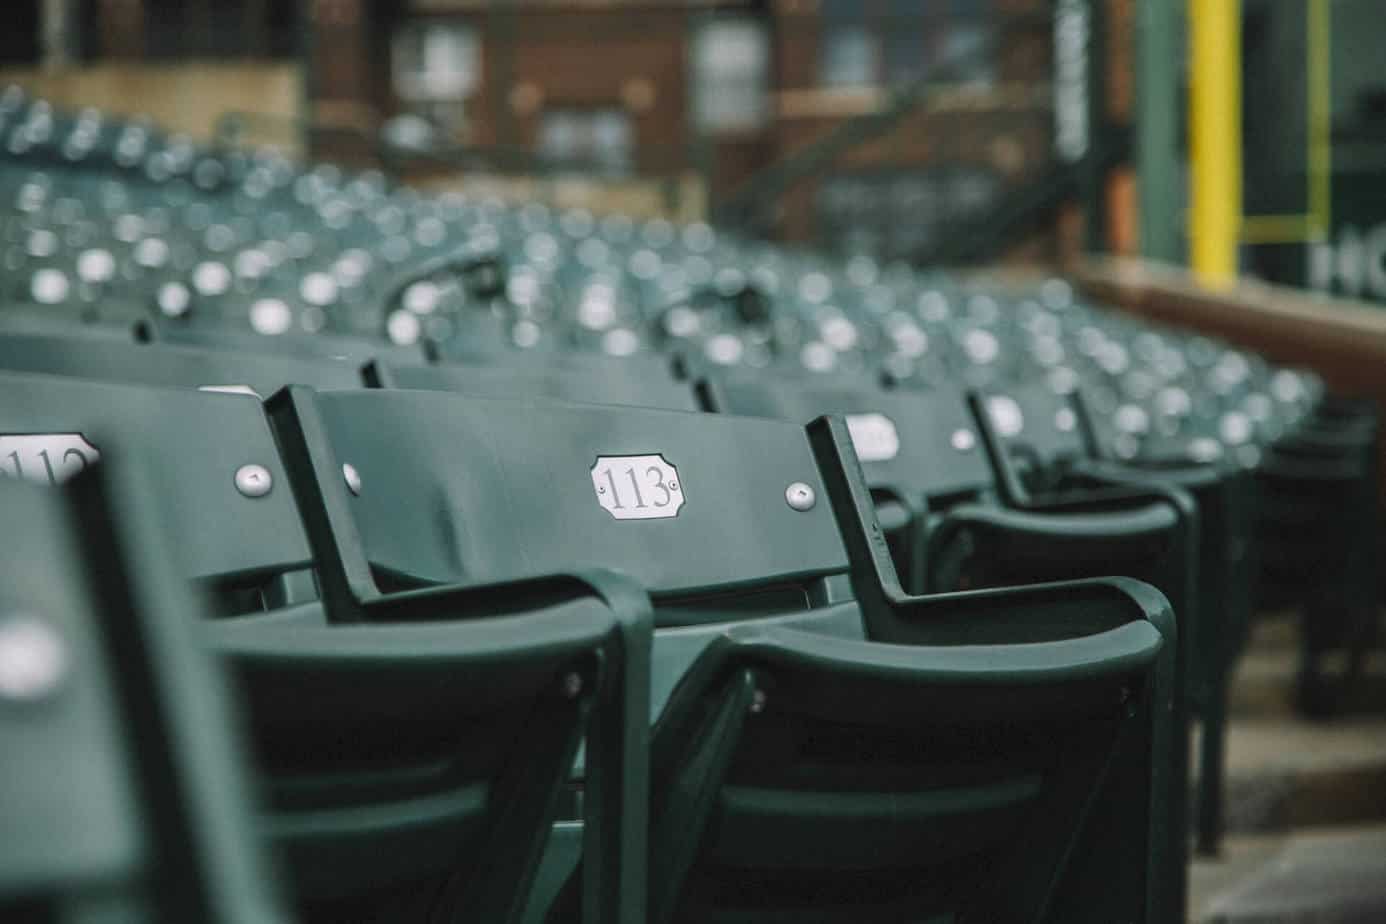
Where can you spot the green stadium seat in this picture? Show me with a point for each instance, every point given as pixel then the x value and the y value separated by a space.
pixel 304 346
pixel 170 366
pixel 124 796
pixel 961 523
pixel 938 777
pixel 212 456
pixel 413 766
pixel 634 381
pixel 395 740
pixel 28 319
pixel 514 488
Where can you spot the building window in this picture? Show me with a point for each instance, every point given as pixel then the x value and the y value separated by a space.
pixel 966 42
pixel 198 28
pixel 435 61
pixel 731 71
pixel 891 42
pixel 587 140
pixel 850 58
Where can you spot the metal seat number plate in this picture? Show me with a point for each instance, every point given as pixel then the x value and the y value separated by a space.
pixel 46 458
pixel 873 437
pixel 637 487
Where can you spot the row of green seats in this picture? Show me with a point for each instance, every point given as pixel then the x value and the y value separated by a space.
pixel 823 742
pixel 954 512
pixel 946 495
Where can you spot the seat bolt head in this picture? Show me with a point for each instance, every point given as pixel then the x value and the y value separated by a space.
pixel 963 440
pixel 572 685
pixel 758 702
pixel 33 659
pixel 800 496
pixel 254 480
pixel 352 478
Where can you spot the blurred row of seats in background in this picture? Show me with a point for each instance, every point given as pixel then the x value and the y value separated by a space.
pixel 921 581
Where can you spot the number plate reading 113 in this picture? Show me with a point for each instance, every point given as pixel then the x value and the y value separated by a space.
pixel 637 487
pixel 48 458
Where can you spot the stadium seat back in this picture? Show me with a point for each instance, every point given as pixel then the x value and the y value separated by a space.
pixel 170 366
pixel 453 489
pixel 212 457
pixel 1041 433
pixel 912 444
pixel 620 382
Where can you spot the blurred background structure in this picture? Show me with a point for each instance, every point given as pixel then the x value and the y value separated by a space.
pixel 950 132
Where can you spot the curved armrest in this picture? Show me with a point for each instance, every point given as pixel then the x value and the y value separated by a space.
pixel 463 261
pixel 891 615
pixel 1125 648
pixel 1184 473
pixel 1101 540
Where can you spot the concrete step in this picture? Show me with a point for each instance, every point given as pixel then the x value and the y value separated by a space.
pixel 1264 684
pixel 1284 773
pixel 1324 876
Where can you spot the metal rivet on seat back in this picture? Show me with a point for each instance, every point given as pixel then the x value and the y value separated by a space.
pixel 253 480
pixel 33 659
pixel 800 496
pixel 352 478
pixel 572 685
pixel 963 440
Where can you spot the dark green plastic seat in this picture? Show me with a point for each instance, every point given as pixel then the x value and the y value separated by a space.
pixel 506 489
pixel 122 788
pixel 413 763
pixel 946 508
pixel 247 545
pixel 307 346
pixel 397 782
pixel 512 488
pixel 965 524
pixel 950 775
pixel 31 319
pixel 976 760
pixel 638 382
pixel 171 366
pixel 498 490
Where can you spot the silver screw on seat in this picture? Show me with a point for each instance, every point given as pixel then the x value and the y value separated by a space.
pixel 33 659
pixel 572 685
pixel 254 480
pixel 800 496
pixel 352 478
pixel 963 440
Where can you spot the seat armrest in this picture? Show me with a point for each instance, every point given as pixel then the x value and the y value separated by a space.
pixel 891 615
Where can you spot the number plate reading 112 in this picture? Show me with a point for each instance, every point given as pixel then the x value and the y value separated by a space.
pixel 48 458
pixel 637 487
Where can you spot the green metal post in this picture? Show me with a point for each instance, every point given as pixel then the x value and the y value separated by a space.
pixel 1094 182
pixel 500 41
pixel 1157 112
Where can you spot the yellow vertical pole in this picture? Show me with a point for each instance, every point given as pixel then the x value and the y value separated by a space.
pixel 1215 138
pixel 1320 109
